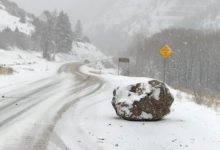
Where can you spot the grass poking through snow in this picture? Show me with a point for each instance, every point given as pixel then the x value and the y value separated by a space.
pixel 6 70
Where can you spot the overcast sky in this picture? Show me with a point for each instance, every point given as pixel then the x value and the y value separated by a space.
pixel 77 9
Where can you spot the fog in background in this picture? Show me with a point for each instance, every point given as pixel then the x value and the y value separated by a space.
pixel 86 10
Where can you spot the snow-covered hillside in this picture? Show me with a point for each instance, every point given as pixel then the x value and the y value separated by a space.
pixel 10 21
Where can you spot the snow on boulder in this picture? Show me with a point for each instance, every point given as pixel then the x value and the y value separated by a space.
pixel 143 101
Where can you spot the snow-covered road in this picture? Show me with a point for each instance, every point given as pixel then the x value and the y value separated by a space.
pixel 29 114
pixel 72 111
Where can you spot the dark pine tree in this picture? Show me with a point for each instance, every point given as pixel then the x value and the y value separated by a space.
pixel 63 39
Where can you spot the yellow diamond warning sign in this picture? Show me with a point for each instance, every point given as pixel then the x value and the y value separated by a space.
pixel 165 51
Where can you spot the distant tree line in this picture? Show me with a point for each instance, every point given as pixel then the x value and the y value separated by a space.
pixel 194 64
pixel 9 38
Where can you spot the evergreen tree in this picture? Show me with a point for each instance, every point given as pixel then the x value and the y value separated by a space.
pixel 45 33
pixel 63 38
pixel 48 34
pixel 23 18
pixel 86 39
pixel 78 31
pixel 36 36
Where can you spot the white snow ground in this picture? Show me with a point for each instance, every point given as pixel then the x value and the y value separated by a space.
pixel 73 110
pixel 92 123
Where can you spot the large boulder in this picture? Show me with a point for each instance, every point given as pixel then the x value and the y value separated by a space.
pixel 142 101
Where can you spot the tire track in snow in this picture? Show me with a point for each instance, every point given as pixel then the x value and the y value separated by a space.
pixel 32 103
pixel 45 137
pixel 25 109
pixel 27 96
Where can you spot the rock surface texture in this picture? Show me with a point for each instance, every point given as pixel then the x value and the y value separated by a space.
pixel 143 101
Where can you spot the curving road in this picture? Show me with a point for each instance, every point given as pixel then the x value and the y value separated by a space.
pixel 72 111
pixel 28 115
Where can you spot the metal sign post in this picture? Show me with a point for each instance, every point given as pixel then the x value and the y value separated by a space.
pixel 164 70
pixel 165 51
pixel 123 60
